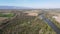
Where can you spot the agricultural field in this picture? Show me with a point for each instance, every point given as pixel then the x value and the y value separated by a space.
pixel 6 14
pixel 4 17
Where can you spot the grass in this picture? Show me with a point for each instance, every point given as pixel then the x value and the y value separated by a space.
pixel 6 15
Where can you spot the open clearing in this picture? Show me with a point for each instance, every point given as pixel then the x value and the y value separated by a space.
pixel 57 18
pixel 55 15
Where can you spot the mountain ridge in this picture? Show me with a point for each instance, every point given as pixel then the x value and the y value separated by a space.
pixel 13 7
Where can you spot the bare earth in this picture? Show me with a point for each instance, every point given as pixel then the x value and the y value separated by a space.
pixel 32 13
pixel 2 18
pixel 58 17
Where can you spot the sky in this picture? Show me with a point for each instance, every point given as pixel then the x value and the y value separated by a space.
pixel 32 3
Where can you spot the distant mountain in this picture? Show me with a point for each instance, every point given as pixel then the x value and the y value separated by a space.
pixel 13 7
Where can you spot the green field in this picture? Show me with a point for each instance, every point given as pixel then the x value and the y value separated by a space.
pixel 6 15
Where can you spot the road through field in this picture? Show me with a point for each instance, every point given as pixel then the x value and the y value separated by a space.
pixel 50 23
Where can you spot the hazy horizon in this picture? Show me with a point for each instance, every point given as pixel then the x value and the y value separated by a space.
pixel 32 3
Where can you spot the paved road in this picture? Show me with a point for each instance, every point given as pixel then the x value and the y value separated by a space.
pixel 51 24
